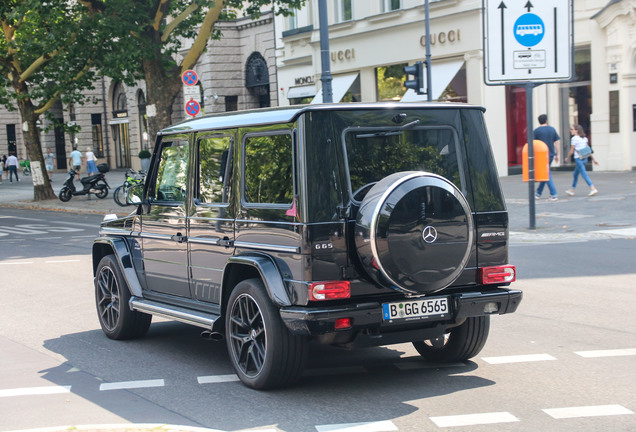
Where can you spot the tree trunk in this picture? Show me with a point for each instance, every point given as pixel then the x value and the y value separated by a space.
pixel 163 88
pixel 42 189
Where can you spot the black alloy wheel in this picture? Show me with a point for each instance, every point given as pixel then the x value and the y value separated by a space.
pixel 116 318
pixel 263 352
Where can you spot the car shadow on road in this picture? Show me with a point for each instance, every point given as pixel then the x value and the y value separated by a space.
pixel 338 386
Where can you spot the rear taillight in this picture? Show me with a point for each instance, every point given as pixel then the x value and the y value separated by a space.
pixel 497 274
pixel 331 290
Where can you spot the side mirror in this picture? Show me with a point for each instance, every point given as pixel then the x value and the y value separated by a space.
pixel 135 194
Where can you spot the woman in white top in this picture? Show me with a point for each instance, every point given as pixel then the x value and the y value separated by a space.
pixel 91 166
pixel 579 141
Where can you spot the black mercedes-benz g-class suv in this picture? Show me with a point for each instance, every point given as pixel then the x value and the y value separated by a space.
pixel 349 224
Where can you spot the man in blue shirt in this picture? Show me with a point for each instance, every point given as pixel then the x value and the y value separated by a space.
pixel 551 138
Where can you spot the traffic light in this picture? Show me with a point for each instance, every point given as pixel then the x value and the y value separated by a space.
pixel 419 83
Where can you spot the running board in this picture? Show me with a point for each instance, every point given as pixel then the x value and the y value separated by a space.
pixel 188 316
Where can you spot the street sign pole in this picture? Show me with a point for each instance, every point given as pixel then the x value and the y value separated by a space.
pixel 531 192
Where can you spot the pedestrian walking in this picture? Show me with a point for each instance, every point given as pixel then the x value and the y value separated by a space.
pixel 551 138
pixel 1 169
pixel 578 144
pixel 91 166
pixel 12 163
pixel 76 160
pixel 49 160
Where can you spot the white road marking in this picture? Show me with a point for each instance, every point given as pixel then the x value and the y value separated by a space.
pixel 607 353
pixel 587 411
pixel 381 426
pixel 518 358
pixel 414 365
pixel 474 419
pixel 212 379
pixel 619 232
pixel 131 384
pixel 335 371
pixel 16 262
pixel 47 238
pixel 31 391
pixel 61 261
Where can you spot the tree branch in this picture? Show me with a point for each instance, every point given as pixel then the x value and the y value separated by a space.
pixel 160 14
pixel 43 59
pixel 43 107
pixel 202 38
pixel 178 20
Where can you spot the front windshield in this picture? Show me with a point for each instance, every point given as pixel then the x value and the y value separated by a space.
pixel 375 153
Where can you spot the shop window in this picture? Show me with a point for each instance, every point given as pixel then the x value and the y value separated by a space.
pixel 390 82
pixel 344 10
pixel 96 130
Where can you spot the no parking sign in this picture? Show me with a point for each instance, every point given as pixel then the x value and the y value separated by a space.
pixel 192 108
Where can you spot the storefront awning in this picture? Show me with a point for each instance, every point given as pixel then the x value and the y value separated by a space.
pixel 442 74
pixel 301 92
pixel 339 86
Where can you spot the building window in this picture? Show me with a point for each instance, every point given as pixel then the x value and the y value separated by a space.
pixel 344 10
pixel 292 20
pixel 613 112
pixel 391 5
pixel 96 129
pixel 231 103
pixel 390 82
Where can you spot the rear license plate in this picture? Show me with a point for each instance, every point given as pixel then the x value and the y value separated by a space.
pixel 414 310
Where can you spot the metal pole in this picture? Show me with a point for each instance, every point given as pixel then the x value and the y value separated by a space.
pixel 327 94
pixel 529 87
pixel 429 94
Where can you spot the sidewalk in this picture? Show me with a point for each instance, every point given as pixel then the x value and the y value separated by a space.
pixel 613 208
pixel 20 195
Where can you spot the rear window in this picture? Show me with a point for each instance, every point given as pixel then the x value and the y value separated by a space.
pixel 375 153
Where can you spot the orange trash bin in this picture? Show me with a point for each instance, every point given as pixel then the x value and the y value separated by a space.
pixel 541 161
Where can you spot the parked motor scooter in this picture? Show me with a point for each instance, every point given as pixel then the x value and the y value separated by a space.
pixel 95 184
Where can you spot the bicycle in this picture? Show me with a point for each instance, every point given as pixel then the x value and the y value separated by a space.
pixel 132 178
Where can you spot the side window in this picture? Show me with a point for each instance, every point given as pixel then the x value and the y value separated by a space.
pixel 171 182
pixel 268 168
pixel 214 166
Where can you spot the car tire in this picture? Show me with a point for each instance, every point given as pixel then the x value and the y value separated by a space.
pixel 65 194
pixel 263 352
pixel 459 344
pixel 112 294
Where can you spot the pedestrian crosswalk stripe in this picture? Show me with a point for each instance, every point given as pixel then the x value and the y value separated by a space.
pixel 381 426
pixel 474 419
pixel 587 411
pixel 33 391
pixel 518 358
pixel 607 353
pixel 131 384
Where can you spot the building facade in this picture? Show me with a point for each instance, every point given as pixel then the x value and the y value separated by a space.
pixel 372 40
pixel 236 72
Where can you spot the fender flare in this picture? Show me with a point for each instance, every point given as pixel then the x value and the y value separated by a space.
pixel 269 272
pixel 121 250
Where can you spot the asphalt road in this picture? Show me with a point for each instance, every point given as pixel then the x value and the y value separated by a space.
pixel 563 362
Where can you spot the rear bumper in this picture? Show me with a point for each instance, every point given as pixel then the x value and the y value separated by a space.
pixel 367 317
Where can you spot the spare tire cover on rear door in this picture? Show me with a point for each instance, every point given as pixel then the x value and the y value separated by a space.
pixel 414 232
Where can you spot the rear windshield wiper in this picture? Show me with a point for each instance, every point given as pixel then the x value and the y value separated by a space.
pixel 389 132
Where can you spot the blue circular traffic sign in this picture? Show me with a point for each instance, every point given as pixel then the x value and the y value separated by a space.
pixel 192 107
pixel 189 78
pixel 529 29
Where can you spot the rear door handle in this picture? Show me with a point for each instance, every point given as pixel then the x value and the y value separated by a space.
pixel 179 238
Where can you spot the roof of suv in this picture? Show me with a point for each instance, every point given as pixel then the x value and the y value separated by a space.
pixel 265 116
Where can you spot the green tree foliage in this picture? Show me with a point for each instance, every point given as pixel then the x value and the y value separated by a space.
pixel 160 39
pixel 49 52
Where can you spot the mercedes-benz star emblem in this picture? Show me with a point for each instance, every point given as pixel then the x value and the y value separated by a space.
pixel 429 234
